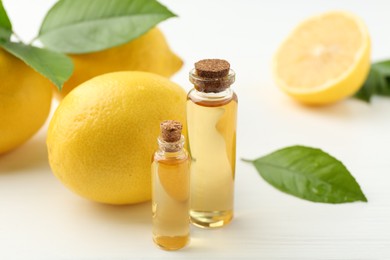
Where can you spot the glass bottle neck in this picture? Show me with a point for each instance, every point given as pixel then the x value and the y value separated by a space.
pixel 214 98
pixel 227 93
pixel 171 149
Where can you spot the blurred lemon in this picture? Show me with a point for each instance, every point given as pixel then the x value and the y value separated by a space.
pixel 25 99
pixel 103 134
pixel 150 52
pixel 325 59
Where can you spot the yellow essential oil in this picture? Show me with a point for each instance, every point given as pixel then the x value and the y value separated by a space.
pixel 171 189
pixel 211 119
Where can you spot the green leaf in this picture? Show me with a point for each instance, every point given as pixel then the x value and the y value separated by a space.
pixel 383 71
pixel 5 23
pixel 377 82
pixel 369 87
pixel 57 67
pixel 310 174
pixel 74 26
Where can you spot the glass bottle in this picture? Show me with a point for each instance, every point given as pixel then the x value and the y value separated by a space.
pixel 211 121
pixel 170 188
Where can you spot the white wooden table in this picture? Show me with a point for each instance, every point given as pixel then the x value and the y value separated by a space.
pixel 41 219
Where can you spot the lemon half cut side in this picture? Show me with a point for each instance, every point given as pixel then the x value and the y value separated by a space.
pixel 326 58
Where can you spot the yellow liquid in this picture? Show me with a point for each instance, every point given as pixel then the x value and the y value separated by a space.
pixel 212 144
pixel 170 202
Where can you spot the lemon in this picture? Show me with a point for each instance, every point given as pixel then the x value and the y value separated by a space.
pixel 150 52
pixel 103 134
pixel 25 99
pixel 325 59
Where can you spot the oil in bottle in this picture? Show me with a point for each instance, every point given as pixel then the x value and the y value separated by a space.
pixel 170 189
pixel 211 121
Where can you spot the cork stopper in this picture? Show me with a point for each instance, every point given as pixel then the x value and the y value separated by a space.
pixel 212 68
pixel 171 131
pixel 212 75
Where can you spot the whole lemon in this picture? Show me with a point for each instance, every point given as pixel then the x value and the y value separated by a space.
pixel 103 134
pixel 25 99
pixel 150 52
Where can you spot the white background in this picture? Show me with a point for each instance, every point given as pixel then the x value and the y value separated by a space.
pixel 41 219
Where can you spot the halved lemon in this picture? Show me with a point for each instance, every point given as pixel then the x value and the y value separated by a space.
pixel 326 58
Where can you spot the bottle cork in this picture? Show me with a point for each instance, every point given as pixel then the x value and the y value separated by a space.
pixel 212 75
pixel 171 131
pixel 212 68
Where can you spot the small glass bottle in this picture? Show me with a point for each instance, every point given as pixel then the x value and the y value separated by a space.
pixel 211 121
pixel 170 188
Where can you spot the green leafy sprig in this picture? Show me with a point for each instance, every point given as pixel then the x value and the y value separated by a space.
pixel 377 82
pixel 74 26
pixel 310 174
